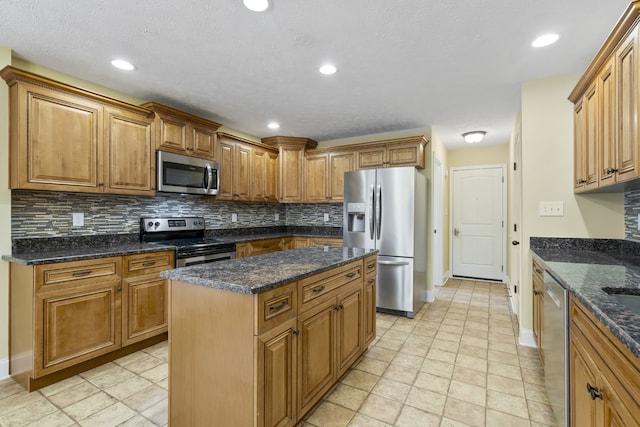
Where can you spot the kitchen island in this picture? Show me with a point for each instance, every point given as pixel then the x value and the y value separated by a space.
pixel 260 340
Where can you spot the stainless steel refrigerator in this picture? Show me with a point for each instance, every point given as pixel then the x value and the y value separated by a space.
pixel 386 209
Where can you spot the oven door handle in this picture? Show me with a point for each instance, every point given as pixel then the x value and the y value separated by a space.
pixel 203 259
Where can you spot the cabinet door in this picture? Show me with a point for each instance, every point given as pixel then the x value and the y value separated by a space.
pixel 226 150
pixel 259 175
pixel 583 410
pixel 242 250
pixel 144 307
pixel 591 138
pixel 411 154
pixel 203 141
pixel 374 157
pixel 76 324
pixel 579 143
pixel 173 134
pixel 339 163
pixel 242 173
pixel 316 178
pixel 627 101
pixel 607 132
pixel 300 242
pixel 316 354
pixel 615 412
pixel 538 303
pixel 290 179
pixel 350 328
pixel 271 178
pixel 129 162
pixel 369 309
pixel 63 143
pixel 276 353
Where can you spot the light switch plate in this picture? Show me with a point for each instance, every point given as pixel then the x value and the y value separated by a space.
pixel 326 217
pixel 78 219
pixel 551 208
pixel 277 217
pixel 234 217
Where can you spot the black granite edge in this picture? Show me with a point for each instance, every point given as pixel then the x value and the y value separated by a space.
pixel 31 245
pixel 617 246
pixel 616 329
pixel 83 253
pixel 285 231
pixel 257 289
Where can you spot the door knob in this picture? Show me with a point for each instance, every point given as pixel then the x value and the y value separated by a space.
pixel 455 231
pixel 515 243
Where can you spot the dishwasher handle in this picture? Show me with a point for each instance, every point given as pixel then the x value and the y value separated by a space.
pixel 552 295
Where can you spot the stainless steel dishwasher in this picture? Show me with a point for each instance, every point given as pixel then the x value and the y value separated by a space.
pixel 555 343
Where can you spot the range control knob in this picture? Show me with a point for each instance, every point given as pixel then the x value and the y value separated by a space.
pixel 157 224
pixel 150 224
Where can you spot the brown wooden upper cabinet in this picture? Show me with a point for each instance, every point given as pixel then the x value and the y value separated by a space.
pixel 264 175
pixel 63 138
pixel 290 166
pixel 324 175
pixel 392 153
pixel 606 113
pixel 183 133
pixel 235 158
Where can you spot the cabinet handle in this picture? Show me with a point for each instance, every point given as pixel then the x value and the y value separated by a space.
pixel 614 170
pixel 278 307
pixel 339 307
pixel 537 292
pixel 318 289
pixel 581 181
pixel 352 274
pixel 371 281
pixel 82 273
pixel 148 263
pixel 120 289
pixel 296 332
pixel 538 271
pixel 101 184
pixel 593 391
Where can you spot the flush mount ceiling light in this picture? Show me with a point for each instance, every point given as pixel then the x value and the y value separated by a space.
pixel 273 125
pixel 256 5
pixel 328 69
pixel 123 65
pixel 545 40
pixel 474 137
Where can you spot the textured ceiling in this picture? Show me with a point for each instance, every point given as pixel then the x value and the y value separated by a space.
pixel 451 65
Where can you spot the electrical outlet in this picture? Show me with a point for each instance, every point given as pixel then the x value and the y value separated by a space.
pixel 326 217
pixel 78 219
pixel 234 217
pixel 551 209
pixel 277 217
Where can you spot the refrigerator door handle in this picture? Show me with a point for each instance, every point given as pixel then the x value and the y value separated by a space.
pixel 393 262
pixel 372 198
pixel 379 211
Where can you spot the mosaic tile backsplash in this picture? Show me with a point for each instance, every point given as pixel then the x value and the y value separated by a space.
pixel 37 214
pixel 631 211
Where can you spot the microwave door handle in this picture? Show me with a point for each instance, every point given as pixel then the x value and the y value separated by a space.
pixel 208 177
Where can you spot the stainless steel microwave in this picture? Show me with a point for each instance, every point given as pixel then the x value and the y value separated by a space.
pixel 184 174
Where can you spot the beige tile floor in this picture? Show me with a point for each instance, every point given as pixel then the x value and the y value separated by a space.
pixel 457 363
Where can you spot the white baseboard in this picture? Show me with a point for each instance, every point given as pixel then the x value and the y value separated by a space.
pixel 4 368
pixel 430 296
pixel 526 338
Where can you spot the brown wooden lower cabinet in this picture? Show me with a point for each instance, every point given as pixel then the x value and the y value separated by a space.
pixel 260 247
pixel 265 359
pixel 604 375
pixel 69 316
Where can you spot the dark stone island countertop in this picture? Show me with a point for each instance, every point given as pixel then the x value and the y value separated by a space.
pixel 76 248
pixel 585 266
pixel 260 273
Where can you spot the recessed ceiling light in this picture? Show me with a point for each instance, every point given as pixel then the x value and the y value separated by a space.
pixel 328 69
pixel 123 65
pixel 273 125
pixel 545 40
pixel 256 5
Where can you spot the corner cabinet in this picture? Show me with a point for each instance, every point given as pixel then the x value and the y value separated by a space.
pixel 604 375
pixel 183 133
pixel 76 315
pixel 284 348
pixel 606 113
pixel 63 138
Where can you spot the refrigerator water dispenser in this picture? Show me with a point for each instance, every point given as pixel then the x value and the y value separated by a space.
pixel 355 217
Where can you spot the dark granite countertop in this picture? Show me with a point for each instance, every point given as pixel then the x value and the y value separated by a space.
pixel 260 273
pixel 75 248
pixel 584 272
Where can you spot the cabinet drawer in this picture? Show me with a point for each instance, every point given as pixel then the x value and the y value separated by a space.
pixel 53 276
pixel 317 287
pixel 370 266
pixel 337 243
pixel 538 272
pixel 276 306
pixel 148 262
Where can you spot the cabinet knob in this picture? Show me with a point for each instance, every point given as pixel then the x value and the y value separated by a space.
pixel 594 392
pixel 296 332
pixel 537 292
pixel 120 289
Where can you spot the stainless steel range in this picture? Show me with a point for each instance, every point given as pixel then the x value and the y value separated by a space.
pixel 187 235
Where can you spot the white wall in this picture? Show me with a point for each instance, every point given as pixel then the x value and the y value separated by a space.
pixel 5 216
pixel 547 175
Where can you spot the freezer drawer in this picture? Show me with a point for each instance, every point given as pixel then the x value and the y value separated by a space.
pixel 395 284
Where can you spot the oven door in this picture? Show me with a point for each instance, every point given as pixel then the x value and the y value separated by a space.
pixel 183 174
pixel 204 259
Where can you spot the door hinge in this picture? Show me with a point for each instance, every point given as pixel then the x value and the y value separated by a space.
pixel 503 179
pixel 502 268
pixel 515 227
pixel 515 167
pixel 502 224
pixel 515 289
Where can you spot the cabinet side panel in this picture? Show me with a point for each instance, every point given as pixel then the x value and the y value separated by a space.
pixel 211 357
pixel 21 322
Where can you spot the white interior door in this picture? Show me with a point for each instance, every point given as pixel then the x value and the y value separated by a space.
pixel 515 198
pixel 478 202
pixel 438 245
